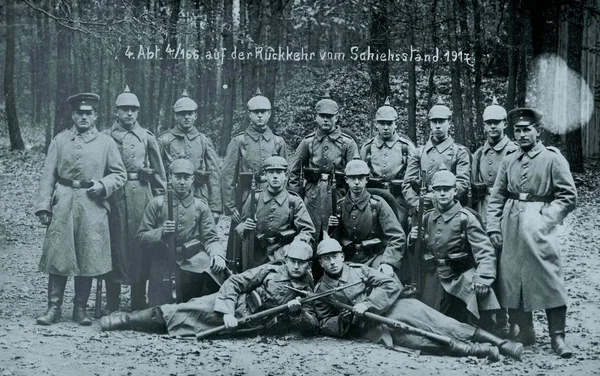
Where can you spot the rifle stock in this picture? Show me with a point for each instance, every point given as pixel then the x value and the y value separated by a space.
pixel 416 267
pixel 252 234
pixel 334 232
pixel 98 303
pixel 173 277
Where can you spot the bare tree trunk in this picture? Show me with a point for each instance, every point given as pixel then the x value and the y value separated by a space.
pixel 513 57
pixel 167 65
pixel 434 43
pixel 64 85
pixel 380 43
pixel 412 77
pixel 14 132
pixel 478 55
pixel 228 93
pixel 468 106
pixel 272 66
pixel 455 74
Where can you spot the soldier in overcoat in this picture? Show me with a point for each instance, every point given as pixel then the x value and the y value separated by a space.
pixel 82 170
pixel 145 178
pixel 255 290
pixel 533 193
pixel 185 141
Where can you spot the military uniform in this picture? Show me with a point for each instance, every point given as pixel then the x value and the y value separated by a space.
pixel 77 242
pixel 241 295
pixel 139 150
pixel 534 191
pixel 193 221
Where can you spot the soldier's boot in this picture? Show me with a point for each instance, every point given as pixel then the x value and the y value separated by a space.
pixel 147 320
pixel 501 328
pixel 556 327
pixel 56 292
pixel 479 350
pixel 83 285
pixel 113 298
pixel 506 347
pixel 513 324
pixel 526 332
pixel 138 296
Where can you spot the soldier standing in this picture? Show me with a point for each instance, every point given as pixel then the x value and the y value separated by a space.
pixel 370 232
pixel 316 157
pixel 440 152
pixel 82 169
pixel 246 155
pixel 184 141
pixel 145 178
pixel 387 155
pixel 486 162
pixel 534 191
pixel 280 218
pixel 460 262
pixel 191 221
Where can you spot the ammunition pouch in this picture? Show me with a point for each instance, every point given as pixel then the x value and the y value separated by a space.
pixel 479 190
pixel 244 180
pixel 253 301
pixel 428 262
pixel 416 186
pixel 188 249
pixel 394 186
pixel 146 174
pixel 281 239
pixel 367 247
pixel 460 262
pixel 315 175
pixel 201 177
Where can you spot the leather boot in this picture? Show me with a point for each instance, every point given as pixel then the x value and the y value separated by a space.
pixel 83 285
pixel 556 327
pixel 479 350
pixel 113 298
pixel 526 332
pixel 138 296
pixel 147 320
pixel 56 292
pixel 507 348
pixel 501 328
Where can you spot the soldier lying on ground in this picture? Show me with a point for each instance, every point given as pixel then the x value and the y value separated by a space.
pixel 243 294
pixel 383 295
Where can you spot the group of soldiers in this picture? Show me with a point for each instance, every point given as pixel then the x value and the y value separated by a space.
pixel 445 252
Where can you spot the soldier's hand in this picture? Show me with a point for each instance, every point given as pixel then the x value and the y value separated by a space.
pixel 346 315
pixel 496 240
pixel 333 221
pixel 249 225
pixel 294 305
pixel 481 290
pixel 45 218
pixel 414 232
pixel 168 227
pixel 359 309
pixel 216 217
pixel 96 190
pixel 217 264
pixel 387 270
pixel 230 321
pixel 235 216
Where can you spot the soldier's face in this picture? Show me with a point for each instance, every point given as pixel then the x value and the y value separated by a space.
pixel 494 128
pixel 357 184
pixel 127 115
pixel 385 128
pixel 84 119
pixel 297 268
pixel 186 119
pixel 182 183
pixel 260 118
pixel 326 122
pixel 439 128
pixel 276 179
pixel 526 136
pixel 332 263
pixel 444 196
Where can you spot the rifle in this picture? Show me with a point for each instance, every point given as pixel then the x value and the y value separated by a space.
pixel 174 276
pixel 301 183
pixel 416 264
pixel 334 233
pixel 98 303
pixel 470 195
pixel 273 311
pixel 252 234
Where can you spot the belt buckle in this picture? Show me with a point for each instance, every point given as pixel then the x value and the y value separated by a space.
pixel 385 185
pixel 324 177
pixel 523 196
pixel 76 184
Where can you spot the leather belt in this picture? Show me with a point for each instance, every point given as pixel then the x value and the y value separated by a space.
pixel 490 190
pixel 325 177
pixel 442 262
pixel 133 176
pixel 74 183
pixel 529 197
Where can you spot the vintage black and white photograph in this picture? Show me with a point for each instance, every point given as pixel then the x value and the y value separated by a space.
pixel 298 187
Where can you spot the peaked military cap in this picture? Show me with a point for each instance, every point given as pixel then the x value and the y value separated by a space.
pixel 443 178
pixel 524 117
pixel 84 101
pixel 357 167
pixel 127 98
pixel 299 250
pixel 185 103
pixel 182 166
pixel 327 106
pixel 275 163
pixel 386 112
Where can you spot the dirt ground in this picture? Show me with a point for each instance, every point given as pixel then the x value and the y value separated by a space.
pixel 67 349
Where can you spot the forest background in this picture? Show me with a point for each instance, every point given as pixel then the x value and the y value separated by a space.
pixel 524 52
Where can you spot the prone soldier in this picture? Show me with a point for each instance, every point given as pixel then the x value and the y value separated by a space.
pixel 82 169
pixel 184 141
pixel 145 177
pixel 387 155
pixel 369 230
pixel 459 264
pixel 533 193
pixel 192 222
pixel 280 218
pixel 255 290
